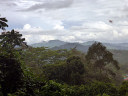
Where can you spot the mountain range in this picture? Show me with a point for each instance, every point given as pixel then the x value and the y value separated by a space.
pixel 119 50
pixel 57 44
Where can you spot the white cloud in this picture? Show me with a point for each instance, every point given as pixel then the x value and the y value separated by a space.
pixel 59 27
pixel 49 24
pixel 98 25
pixel 99 31
pixel 30 39
pixel 68 38
pixel 50 5
pixel 27 26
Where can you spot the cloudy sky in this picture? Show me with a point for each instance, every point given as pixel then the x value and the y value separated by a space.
pixel 68 20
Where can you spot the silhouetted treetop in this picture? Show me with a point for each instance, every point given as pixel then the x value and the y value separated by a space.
pixel 3 23
pixel 11 39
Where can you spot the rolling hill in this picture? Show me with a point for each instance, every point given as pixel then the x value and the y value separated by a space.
pixel 55 44
pixel 69 46
pixel 50 44
pixel 119 50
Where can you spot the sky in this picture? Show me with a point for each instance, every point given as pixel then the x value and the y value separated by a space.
pixel 68 20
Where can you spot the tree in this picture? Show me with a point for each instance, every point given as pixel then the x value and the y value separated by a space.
pixel 99 59
pixel 124 89
pixel 3 23
pixel 11 74
pixel 75 52
pixel 70 72
pixel 37 57
pixel 74 70
pixel 9 40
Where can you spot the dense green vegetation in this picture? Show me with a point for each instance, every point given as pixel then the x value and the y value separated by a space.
pixel 27 71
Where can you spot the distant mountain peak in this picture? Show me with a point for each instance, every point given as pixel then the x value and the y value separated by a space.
pixel 50 43
pixel 55 41
pixel 59 43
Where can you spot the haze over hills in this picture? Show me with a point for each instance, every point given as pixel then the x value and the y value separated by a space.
pixel 119 50
pixel 50 44
pixel 57 44
pixel 69 46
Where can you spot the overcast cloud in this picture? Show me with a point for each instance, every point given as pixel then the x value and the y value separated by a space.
pixel 50 5
pixel 68 20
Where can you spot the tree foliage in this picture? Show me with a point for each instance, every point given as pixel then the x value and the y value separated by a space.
pixel 11 74
pixel 99 59
pixel 124 89
pixel 3 23
pixel 70 72
pixel 75 70
pixel 11 39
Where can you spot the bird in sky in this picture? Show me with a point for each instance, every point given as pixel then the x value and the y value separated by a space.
pixel 110 21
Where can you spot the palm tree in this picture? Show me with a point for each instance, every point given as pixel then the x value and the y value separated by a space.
pixel 10 39
pixel 3 23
